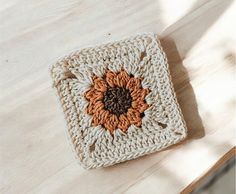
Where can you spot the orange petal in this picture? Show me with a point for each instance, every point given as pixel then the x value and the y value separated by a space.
pixel 122 78
pixel 134 117
pixel 100 84
pixel 90 109
pixel 95 120
pixel 100 117
pixel 94 95
pixel 133 83
pixel 89 94
pixel 139 105
pixel 123 123
pixel 110 78
pixel 111 122
pixel 103 115
pixel 98 105
pixel 139 94
pixel 94 106
pixel 97 96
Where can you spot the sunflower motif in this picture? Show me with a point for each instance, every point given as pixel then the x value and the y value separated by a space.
pixel 116 100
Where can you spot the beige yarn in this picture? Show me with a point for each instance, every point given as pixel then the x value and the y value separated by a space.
pixel 163 124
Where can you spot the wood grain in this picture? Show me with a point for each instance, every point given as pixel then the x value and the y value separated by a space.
pixel 221 162
pixel 199 39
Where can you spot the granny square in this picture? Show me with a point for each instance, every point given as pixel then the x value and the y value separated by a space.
pixel 118 101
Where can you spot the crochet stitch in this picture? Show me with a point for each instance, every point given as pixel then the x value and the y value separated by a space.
pixel 118 101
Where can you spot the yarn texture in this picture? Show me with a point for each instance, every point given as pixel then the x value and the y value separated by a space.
pixel 118 101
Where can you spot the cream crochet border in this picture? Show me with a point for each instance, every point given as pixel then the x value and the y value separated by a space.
pixel 95 146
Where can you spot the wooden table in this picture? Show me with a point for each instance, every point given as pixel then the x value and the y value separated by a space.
pixel 199 39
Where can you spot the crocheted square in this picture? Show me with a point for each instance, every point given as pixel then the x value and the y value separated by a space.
pixel 118 101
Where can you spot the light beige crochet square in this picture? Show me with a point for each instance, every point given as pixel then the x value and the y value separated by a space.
pixel 118 101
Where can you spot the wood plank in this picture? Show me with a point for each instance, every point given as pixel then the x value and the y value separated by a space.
pixel 229 155
pixel 199 39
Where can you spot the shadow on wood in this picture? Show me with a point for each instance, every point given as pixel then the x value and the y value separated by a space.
pixel 183 89
pixel 185 33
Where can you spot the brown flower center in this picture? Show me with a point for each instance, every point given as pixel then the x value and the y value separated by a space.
pixel 117 100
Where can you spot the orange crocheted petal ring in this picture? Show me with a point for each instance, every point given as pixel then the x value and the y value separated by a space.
pixel 116 100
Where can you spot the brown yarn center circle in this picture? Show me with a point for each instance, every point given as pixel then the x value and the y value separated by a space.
pixel 117 100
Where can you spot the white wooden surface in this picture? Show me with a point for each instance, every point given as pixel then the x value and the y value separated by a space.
pixel 199 39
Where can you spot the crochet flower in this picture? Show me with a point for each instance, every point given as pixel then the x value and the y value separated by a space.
pixel 116 100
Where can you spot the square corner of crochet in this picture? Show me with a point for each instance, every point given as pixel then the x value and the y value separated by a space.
pixel 118 101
